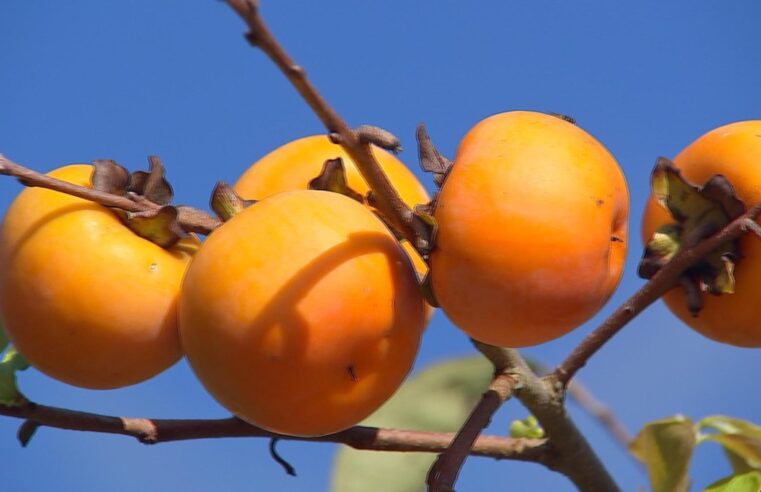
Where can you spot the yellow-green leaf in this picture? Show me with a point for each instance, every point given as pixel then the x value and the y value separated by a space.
pixel 746 482
pixel 737 436
pixel 665 447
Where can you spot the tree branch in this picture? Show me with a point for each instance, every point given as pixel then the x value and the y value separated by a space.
pixel 190 219
pixel 443 473
pixel 658 285
pixel 389 203
pixel 154 431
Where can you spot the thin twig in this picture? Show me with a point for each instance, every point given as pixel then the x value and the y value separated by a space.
pixel 190 219
pixel 658 285
pixel 445 469
pixel 154 431
pixel 388 201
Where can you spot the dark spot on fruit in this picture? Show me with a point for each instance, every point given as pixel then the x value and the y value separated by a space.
pixel 352 374
pixel 616 239
pixel 599 202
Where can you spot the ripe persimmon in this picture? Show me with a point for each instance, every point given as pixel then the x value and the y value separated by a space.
pixel 83 298
pixel 292 166
pixel 301 314
pixel 532 230
pixel 734 151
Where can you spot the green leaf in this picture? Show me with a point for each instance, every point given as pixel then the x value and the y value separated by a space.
pixel 11 362
pixel 739 437
pixel 438 399
pixel 747 482
pixel 665 447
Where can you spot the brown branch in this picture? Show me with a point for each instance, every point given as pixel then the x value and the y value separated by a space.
pixel 191 220
pixel 389 203
pixel 658 285
pixel 590 404
pixel 443 473
pixel 572 454
pixel 574 457
pixel 154 431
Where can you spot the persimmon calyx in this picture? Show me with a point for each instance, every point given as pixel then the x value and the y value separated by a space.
pixel 431 161
pixel 333 178
pixel 226 203
pixel 698 212
pixel 159 225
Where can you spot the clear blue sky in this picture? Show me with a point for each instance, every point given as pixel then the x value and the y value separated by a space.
pixel 89 79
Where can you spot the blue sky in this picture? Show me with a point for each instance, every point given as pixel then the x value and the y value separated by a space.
pixel 86 79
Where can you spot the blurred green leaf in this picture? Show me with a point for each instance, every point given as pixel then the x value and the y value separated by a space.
pixel 11 362
pixel 438 399
pixel 741 440
pixel 665 447
pixel 3 337
pixel 747 482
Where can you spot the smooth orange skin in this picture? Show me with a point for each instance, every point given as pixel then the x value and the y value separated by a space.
pixel 301 314
pixel 291 167
pixel 83 298
pixel 532 230
pixel 733 150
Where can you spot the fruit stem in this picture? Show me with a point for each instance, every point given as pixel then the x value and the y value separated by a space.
pixel 190 219
pixel 389 203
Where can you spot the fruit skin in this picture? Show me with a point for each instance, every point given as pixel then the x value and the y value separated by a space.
pixel 532 230
pixel 733 150
pixel 83 298
pixel 291 167
pixel 301 314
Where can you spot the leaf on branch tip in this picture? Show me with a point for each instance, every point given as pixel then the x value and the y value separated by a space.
pixel 745 482
pixel 739 438
pixel 333 178
pixel 159 226
pixel 665 447
pixel 109 177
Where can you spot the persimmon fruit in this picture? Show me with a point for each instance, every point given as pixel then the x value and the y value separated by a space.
pixel 532 229
pixel 292 166
pixel 734 151
pixel 301 314
pixel 83 298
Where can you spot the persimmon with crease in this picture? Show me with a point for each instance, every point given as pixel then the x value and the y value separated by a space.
pixel 293 165
pixel 532 230
pixel 83 298
pixel 734 151
pixel 301 314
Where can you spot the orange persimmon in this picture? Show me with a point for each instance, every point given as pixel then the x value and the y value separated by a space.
pixel 532 230
pixel 83 298
pixel 734 151
pixel 291 167
pixel 301 314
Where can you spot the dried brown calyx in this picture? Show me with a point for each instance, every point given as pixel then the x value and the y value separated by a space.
pixel 158 223
pixel 698 212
